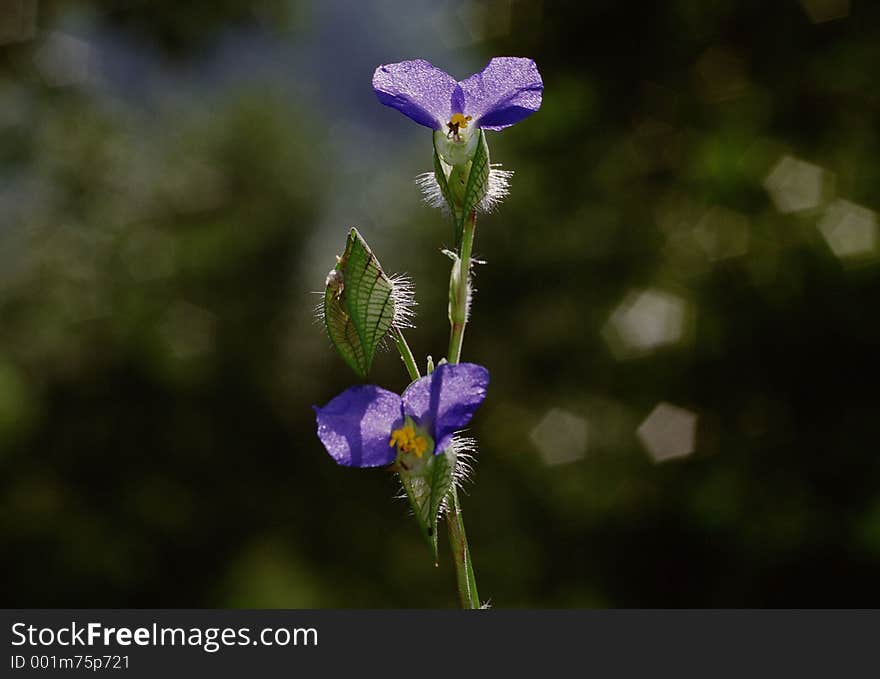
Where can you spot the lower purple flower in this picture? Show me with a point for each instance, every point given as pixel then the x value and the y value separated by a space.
pixel 367 426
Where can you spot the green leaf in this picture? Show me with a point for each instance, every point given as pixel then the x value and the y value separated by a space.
pixel 358 304
pixel 427 490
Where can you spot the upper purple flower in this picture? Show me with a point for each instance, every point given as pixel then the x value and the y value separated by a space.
pixel 507 90
pixel 367 426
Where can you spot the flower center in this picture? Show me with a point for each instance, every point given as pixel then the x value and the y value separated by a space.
pixel 409 440
pixel 457 122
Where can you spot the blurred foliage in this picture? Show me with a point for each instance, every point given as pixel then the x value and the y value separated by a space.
pixel 159 238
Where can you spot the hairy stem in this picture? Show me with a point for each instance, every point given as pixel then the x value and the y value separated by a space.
pixel 459 291
pixel 461 554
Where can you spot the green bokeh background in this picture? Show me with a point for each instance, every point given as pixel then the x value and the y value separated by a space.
pixel 176 178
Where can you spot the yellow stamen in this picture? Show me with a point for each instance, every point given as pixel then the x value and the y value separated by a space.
pixel 459 120
pixel 408 440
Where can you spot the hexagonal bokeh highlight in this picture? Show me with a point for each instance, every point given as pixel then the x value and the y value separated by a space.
pixel 795 185
pixel 669 432
pixel 645 321
pixel 560 437
pixel 850 230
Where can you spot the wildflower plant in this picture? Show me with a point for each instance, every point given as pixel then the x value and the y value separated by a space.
pixel 418 434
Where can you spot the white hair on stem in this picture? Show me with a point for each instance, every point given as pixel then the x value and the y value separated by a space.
pixel 496 192
pixel 431 193
pixel 499 188
pixel 465 448
pixel 318 312
pixel 465 457
pixel 470 289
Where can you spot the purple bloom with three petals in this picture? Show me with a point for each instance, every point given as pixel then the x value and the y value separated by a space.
pixel 367 426
pixel 507 90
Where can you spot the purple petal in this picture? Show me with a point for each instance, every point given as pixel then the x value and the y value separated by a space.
pixel 457 99
pixel 445 400
pixel 417 89
pixel 355 427
pixel 506 91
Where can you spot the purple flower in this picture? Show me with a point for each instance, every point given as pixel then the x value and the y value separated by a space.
pixel 507 90
pixel 367 426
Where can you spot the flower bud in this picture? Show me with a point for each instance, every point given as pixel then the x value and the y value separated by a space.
pixel 362 304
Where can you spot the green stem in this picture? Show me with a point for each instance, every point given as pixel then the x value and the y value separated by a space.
pixel 406 354
pixel 459 291
pixel 461 554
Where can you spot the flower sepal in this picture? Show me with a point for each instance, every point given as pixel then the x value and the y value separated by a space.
pixel 464 185
pixel 427 485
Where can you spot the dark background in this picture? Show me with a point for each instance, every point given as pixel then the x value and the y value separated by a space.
pixel 691 224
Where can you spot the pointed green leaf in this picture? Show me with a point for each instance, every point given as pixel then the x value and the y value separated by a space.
pixel 358 304
pixel 415 490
